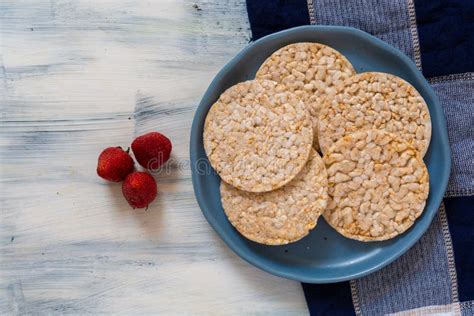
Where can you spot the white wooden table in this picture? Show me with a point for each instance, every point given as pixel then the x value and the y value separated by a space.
pixel 79 76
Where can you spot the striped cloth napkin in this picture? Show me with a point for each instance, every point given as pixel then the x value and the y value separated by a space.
pixel 436 276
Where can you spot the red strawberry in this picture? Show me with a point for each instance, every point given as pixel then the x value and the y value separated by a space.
pixel 114 164
pixel 139 189
pixel 152 150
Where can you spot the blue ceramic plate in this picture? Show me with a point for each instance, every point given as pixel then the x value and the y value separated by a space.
pixel 324 256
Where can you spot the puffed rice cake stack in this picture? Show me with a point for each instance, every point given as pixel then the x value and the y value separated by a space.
pixel 258 137
pixel 374 133
pixel 373 129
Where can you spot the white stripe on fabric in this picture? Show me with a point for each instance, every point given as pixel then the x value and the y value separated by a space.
pixel 312 17
pixel 459 193
pixel 452 77
pixel 450 253
pixel 438 310
pixel 414 34
pixel 355 298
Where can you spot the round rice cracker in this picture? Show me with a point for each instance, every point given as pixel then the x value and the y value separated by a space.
pixel 281 216
pixel 257 136
pixel 311 71
pixel 378 185
pixel 375 100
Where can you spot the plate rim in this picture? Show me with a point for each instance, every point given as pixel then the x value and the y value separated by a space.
pixel 194 140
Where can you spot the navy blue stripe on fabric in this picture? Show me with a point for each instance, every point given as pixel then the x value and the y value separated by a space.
pixel 446 36
pixel 460 213
pixel 329 299
pixel 270 16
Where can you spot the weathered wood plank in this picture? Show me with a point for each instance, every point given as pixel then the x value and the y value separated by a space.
pixel 78 76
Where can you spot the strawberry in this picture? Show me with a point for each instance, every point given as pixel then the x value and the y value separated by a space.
pixel 114 164
pixel 139 189
pixel 152 150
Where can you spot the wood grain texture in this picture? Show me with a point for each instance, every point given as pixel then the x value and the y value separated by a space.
pixel 76 77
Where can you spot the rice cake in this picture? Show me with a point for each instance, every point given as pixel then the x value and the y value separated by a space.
pixel 376 100
pixel 378 185
pixel 281 216
pixel 311 71
pixel 257 136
